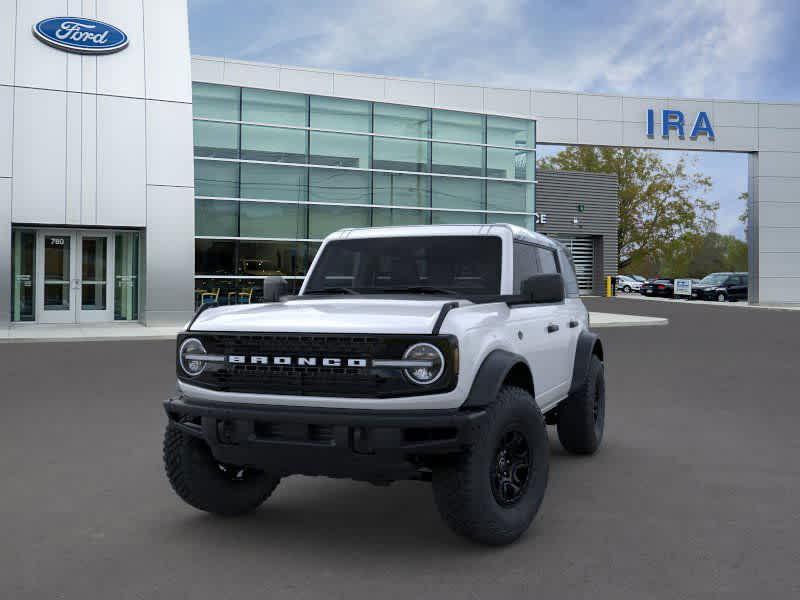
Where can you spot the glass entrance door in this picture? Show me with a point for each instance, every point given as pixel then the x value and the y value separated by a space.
pixel 73 274
pixel 94 302
pixel 55 274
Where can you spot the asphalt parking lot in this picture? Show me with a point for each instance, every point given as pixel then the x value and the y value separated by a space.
pixel 693 495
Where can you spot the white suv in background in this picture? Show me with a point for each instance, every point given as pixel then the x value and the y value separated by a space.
pixel 627 284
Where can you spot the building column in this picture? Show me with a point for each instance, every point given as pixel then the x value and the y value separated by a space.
pixel 774 227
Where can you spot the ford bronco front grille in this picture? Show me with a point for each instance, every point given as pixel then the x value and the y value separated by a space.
pixel 313 364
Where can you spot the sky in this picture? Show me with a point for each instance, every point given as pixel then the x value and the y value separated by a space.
pixel 733 49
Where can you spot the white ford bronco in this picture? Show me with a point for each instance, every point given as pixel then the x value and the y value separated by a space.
pixel 435 353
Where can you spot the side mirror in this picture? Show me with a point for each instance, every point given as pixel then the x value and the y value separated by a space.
pixel 543 288
pixel 275 287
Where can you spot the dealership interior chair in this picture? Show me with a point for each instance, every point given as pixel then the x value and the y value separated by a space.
pixel 243 296
pixel 210 297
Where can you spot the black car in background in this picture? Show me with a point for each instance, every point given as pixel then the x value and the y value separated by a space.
pixel 722 287
pixel 662 288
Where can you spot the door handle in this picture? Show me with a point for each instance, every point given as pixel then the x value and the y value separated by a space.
pixel 573 323
pixel 552 328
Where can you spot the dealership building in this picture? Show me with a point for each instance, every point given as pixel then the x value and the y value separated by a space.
pixel 137 181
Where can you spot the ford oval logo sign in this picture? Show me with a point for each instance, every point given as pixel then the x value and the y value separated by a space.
pixel 76 34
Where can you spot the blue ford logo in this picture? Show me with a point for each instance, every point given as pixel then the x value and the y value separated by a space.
pixel 76 34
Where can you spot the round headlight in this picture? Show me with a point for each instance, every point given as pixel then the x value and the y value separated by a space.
pixel 190 355
pixel 431 364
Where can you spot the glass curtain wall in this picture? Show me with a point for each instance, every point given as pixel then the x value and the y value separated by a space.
pixel 275 172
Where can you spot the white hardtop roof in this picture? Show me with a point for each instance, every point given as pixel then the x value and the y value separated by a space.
pixel 518 233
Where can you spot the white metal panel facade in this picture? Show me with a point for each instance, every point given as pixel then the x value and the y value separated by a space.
pixel 73 129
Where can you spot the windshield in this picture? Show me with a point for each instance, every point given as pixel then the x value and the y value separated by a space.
pixel 468 265
pixel 714 279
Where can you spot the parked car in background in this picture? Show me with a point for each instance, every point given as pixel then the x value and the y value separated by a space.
pixel 722 287
pixel 627 284
pixel 662 288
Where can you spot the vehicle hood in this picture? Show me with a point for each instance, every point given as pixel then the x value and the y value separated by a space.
pixel 327 315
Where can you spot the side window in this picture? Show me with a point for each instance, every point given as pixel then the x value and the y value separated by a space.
pixel 525 264
pixel 568 273
pixel 547 260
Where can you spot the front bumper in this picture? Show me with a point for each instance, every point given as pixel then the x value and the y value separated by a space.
pixel 358 444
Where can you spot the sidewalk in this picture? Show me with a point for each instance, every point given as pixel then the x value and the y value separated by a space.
pixel 85 332
pixel 137 331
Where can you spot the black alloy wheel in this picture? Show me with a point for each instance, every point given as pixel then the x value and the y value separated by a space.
pixel 511 469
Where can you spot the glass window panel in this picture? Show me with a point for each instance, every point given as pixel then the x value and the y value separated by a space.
pixel 444 217
pixel 525 221
pixel 399 189
pixel 273 144
pixel 218 218
pixel 407 121
pixel 93 272
pixel 126 276
pixel 23 259
pixel 567 269
pixel 57 272
pixel 220 140
pixel 323 220
pixel 400 155
pixel 274 182
pixel 265 219
pixel 508 195
pixel 457 126
pixel 547 260
pixel 507 131
pixel 452 192
pixel 269 258
pixel 215 178
pixel 397 216
pixel 509 164
pixel 338 185
pixel 457 159
pixel 281 108
pixel 214 257
pixel 337 113
pixel 339 150
pixel 215 101
pixel 526 264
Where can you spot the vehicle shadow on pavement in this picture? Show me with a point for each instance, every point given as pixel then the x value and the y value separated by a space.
pixel 342 516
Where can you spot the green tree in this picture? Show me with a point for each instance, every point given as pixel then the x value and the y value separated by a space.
pixel 659 202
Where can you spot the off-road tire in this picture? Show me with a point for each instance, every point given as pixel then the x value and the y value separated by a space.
pixel 581 417
pixel 205 484
pixel 463 486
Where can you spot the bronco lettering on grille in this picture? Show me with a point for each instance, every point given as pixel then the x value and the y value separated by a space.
pixel 298 361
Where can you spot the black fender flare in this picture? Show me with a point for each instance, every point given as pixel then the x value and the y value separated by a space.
pixel 490 377
pixel 589 344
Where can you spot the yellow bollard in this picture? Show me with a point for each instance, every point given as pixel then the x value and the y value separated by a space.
pixel 608 287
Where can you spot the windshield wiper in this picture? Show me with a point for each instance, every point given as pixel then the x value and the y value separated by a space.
pixel 418 289
pixel 332 290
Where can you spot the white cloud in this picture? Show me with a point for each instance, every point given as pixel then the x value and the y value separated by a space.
pixel 687 47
